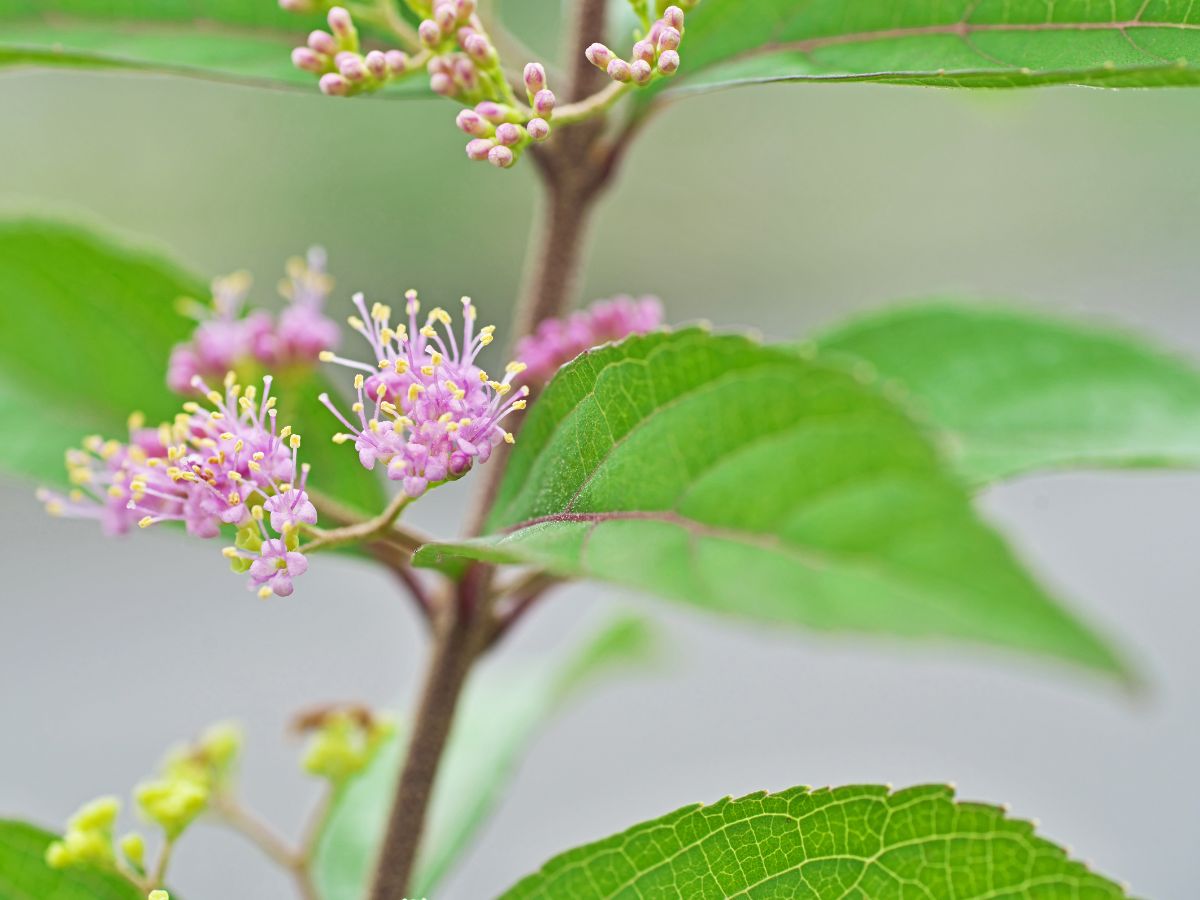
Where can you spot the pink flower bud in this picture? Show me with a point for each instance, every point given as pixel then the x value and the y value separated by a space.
pixel 441 83
pixel 669 39
pixel 599 56
pixel 465 73
pixel 479 148
pixel 442 64
pixel 334 85
pixel 538 129
pixel 340 22
pixel 673 16
pixel 480 49
pixel 429 33
pixel 668 62
pixel 501 157
pixel 508 134
pixel 474 124
pixel 464 34
pixel 323 42
pixel 641 71
pixel 308 60
pixel 397 61
pixel 543 103
pixel 352 68
pixel 655 31
pixel 493 112
pixel 618 70
pixel 535 77
pixel 465 8
pixel 376 64
pixel 446 17
pixel 643 50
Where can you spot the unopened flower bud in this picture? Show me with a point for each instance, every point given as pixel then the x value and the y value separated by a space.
pixel 618 70
pixel 480 49
pixel 340 23
pixel 641 71
pixel 334 85
pixel 465 8
pixel 397 61
pixel 465 73
pixel 668 62
pixel 538 129
pixel 323 42
pixel 158 895
pixel 501 157
pixel 429 33
pixel 599 56
pixel 351 68
pixel 495 112
pixel 474 124
pixel 376 64
pixel 673 16
pixel 479 148
pixel 133 846
pixel 535 77
pixel 669 39
pixel 308 60
pixel 543 103
pixel 446 17
pixel 441 83
pixel 508 134
pixel 644 50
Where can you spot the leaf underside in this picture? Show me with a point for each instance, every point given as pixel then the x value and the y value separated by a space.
pixel 744 479
pixel 848 843
pixel 24 874
pixel 1021 393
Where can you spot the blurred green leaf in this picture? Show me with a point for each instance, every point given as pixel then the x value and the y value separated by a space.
pixel 744 479
pixel 949 43
pixel 242 41
pixel 88 327
pixel 862 841
pixel 499 718
pixel 24 874
pixel 1019 392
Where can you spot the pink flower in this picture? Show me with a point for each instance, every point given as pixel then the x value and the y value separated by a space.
pixel 425 409
pixel 276 566
pixel 303 330
pixel 558 341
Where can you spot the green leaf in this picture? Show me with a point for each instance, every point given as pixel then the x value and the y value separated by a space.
pixel 744 479
pixel 242 41
pixel 498 720
pixel 24 874
pixel 863 842
pixel 89 325
pixel 949 43
pixel 1019 392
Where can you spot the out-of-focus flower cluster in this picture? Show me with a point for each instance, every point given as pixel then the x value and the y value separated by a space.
pixel 425 410
pixel 343 740
pixel 226 340
pixel 558 341
pixel 224 464
pixel 336 56
pixel 653 55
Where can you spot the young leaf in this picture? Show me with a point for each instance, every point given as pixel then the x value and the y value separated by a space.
pixel 24 874
pixel 497 721
pixel 242 41
pixel 744 479
pixel 88 327
pixel 1019 392
pixel 950 43
pixel 846 843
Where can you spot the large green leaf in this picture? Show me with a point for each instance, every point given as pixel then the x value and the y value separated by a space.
pixel 244 41
pixel 745 479
pixel 24 874
pixel 953 43
pixel 849 843
pixel 1020 392
pixel 498 720
pixel 88 326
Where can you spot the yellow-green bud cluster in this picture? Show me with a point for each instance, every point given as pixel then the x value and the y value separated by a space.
pixel 88 840
pixel 344 742
pixel 190 775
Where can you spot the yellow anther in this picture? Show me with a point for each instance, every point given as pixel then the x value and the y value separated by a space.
pixel 55 508
pixel 501 389
pixel 264 593
pixel 115 490
pixel 294 442
pixel 145 521
pixel 437 314
pixel 271 403
pixel 341 438
pixel 258 456
pixel 515 367
pixel 216 415
pixel 519 404
pixel 239 446
pixel 244 404
pixel 75 495
pixel 383 364
pixel 137 486
pixel 214 397
pixel 358 381
pixel 428 331
pixel 404 421
pixel 374 425
pixel 356 323
pixel 229 552
pixel 381 391
pixel 401 366
pixel 136 420
pixel 483 377
pixel 229 377
pixel 445 417
pixel 235 477
pixel 427 371
pixel 388 407
pixel 356 408
pixel 234 499
pixel 454 389
pixel 380 312
pixel 285 431
pixel 254 467
pixel 508 438
pixel 436 358
pixel 485 338
pixel 110 449
pixel 414 391
pixel 387 335
pixel 326 356
pixel 464 422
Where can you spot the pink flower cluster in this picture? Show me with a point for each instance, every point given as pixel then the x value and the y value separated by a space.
pixel 500 132
pixel 655 54
pixel 558 341
pixel 335 56
pixel 225 340
pixel 228 465
pixel 425 410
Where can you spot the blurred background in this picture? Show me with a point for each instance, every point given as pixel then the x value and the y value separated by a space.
pixel 782 208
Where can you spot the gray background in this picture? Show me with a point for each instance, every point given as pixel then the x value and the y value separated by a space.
pixel 786 208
